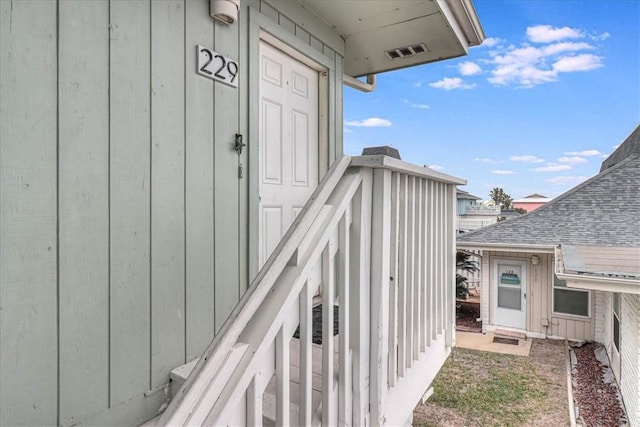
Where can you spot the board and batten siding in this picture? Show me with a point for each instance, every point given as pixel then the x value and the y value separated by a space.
pixel 630 356
pixel 123 217
pixel 539 298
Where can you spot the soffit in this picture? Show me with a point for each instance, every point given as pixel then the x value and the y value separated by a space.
pixel 372 27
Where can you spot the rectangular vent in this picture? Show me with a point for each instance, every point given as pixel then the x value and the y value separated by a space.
pixel 403 52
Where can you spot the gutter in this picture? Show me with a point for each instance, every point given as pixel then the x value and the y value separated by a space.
pixel 593 283
pixel 501 247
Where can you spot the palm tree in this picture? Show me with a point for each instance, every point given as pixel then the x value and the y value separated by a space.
pixel 464 263
pixel 500 198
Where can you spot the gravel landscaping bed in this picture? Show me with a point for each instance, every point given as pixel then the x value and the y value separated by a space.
pixel 595 391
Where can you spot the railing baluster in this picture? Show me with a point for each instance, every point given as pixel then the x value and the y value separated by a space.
pixel 423 269
pixel 254 404
pixel 402 277
pixel 344 377
pixel 306 374
pixel 328 409
pixel 282 377
pixel 439 258
pixel 393 285
pixel 450 264
pixel 411 238
pixel 417 266
pixel 380 240
pixel 433 288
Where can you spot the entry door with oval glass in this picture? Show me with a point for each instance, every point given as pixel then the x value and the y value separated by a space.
pixel 509 294
pixel 288 143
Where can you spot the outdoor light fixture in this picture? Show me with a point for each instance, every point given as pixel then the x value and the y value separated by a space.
pixel 224 11
pixel 535 260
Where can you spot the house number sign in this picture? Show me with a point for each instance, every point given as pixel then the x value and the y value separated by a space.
pixel 217 67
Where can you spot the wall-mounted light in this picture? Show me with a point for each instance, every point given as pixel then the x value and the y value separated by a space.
pixel 225 11
pixel 535 260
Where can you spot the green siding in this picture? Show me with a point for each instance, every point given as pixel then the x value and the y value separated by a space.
pixel 83 184
pixel 126 234
pixel 130 247
pixel 28 214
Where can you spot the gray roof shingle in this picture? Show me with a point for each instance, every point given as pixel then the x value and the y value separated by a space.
pixel 603 211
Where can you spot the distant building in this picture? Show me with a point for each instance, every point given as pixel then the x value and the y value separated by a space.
pixel 465 201
pixel 472 214
pixel 531 202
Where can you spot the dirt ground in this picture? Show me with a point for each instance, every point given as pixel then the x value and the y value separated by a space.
pixel 485 389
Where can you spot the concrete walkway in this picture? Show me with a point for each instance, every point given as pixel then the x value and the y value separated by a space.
pixel 484 342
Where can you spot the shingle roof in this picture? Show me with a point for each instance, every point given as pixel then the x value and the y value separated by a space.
pixel 603 211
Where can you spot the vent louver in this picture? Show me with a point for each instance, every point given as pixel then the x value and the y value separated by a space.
pixel 403 52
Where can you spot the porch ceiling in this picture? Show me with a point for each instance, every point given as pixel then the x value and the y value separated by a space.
pixel 445 28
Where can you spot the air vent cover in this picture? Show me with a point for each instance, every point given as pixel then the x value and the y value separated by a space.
pixel 403 52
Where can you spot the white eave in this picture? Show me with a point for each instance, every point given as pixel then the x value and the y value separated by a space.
pixel 446 29
pixel 503 247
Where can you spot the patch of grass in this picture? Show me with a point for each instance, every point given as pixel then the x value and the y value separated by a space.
pixel 489 388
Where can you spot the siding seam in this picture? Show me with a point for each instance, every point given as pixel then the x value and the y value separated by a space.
pixel 58 211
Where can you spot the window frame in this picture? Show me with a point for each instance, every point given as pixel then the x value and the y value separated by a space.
pixel 555 280
pixel 616 315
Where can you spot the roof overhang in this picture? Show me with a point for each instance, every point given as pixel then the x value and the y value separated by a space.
pixel 582 267
pixel 444 28
pixel 502 247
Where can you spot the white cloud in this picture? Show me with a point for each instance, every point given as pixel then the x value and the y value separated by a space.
pixel 583 62
pixel 372 122
pixel 573 160
pixel 552 168
pixel 584 153
pixel 502 172
pixel 436 167
pixel 487 161
pixel 450 83
pixel 491 41
pixel 548 34
pixel 526 158
pixel 566 180
pixel 529 65
pixel 600 37
pixel 419 106
pixel 469 68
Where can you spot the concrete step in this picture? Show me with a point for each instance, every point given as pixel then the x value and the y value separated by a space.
pixel 510 334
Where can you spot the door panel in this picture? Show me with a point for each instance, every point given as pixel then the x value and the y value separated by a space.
pixel 288 143
pixel 509 294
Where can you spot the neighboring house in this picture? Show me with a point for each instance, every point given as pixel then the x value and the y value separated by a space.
pixel 473 215
pixel 465 201
pixel 531 202
pixel 571 268
pixel 152 160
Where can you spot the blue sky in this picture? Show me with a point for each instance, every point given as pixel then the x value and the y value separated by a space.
pixel 553 90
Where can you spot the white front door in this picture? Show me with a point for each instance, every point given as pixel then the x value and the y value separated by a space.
pixel 288 143
pixel 510 293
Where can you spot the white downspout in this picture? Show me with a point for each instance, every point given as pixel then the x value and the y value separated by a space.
pixel 354 83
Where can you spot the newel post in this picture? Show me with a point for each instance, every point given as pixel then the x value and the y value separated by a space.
pixel 380 257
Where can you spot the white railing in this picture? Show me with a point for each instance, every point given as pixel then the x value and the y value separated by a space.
pixel 382 234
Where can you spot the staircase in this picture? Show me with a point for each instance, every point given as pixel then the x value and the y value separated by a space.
pixel 381 232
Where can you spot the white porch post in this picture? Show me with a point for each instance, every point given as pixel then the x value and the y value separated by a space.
pixel 380 257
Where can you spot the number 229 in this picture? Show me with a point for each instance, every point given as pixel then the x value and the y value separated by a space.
pixel 227 71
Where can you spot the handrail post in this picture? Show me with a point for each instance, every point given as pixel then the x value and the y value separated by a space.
pixel 380 258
